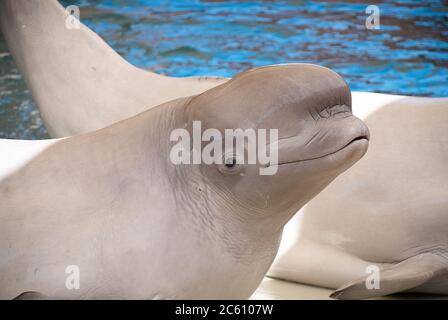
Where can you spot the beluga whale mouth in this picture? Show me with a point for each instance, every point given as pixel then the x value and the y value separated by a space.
pixel 361 139
pixel 287 147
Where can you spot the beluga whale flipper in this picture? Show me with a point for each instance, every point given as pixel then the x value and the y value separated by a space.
pixel 108 214
pixel 415 272
pixel 382 226
pixel 77 80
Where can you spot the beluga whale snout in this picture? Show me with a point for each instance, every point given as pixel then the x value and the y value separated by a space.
pixel 328 137
pixel 140 225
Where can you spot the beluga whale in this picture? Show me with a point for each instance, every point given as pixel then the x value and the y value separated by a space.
pixel 107 214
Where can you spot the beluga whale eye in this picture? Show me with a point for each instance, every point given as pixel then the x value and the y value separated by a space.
pixel 231 163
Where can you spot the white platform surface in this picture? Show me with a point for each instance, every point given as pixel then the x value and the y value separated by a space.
pixel 273 289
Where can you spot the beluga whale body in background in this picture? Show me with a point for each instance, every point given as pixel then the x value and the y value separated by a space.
pixel 112 204
pixel 382 226
pixel 79 83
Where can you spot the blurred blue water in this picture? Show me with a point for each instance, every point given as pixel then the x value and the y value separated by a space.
pixel 408 55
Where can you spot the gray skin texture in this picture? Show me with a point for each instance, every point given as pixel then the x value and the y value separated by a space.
pixel 80 83
pixel 389 210
pixel 138 226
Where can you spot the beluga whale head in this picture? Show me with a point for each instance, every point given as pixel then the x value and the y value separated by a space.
pixel 273 137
